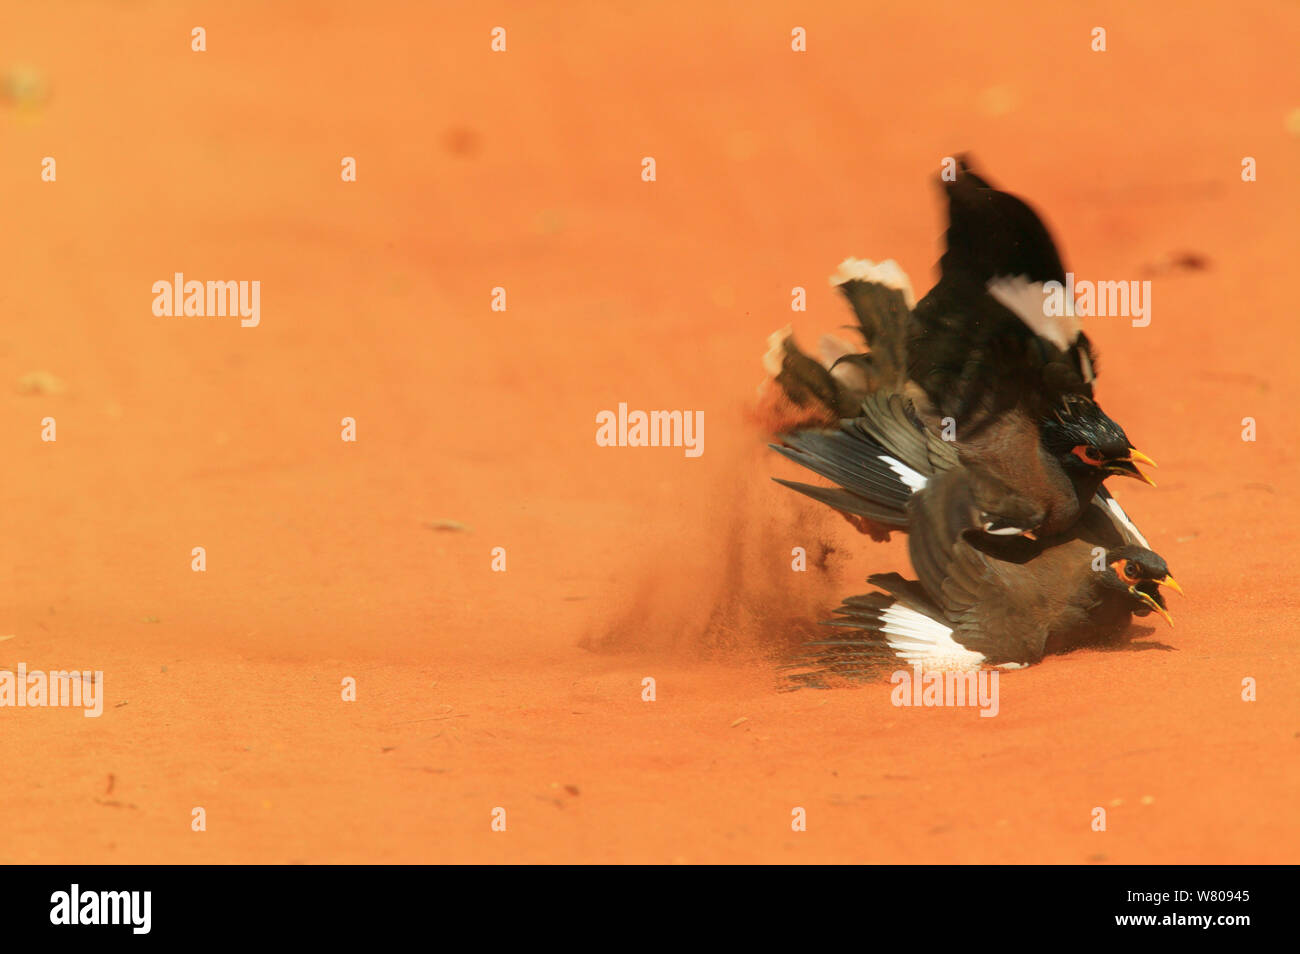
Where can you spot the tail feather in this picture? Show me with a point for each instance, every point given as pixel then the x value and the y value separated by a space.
pixel 886 628
pixel 914 632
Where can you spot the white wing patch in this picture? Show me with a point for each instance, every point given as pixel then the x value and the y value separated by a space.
pixel 888 273
pixel 918 638
pixel 914 479
pixel 1028 302
pixel 1003 532
pixel 1113 505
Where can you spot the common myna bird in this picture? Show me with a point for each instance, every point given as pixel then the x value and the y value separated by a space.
pixel 990 601
pixel 886 457
pixel 978 358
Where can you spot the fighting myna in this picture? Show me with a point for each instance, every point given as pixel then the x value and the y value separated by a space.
pixel 990 601
pixel 987 350
pixel 886 454
pixel 979 362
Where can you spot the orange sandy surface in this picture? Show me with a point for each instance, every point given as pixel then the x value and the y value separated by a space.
pixel 522 689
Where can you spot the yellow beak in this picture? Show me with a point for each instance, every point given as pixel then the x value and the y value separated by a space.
pixel 1145 478
pixel 1157 607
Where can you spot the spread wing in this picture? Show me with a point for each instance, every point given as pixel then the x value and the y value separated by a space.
pixel 878 459
pixel 982 583
pixel 987 337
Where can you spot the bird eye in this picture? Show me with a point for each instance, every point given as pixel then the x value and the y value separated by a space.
pixel 1087 454
pixel 1131 570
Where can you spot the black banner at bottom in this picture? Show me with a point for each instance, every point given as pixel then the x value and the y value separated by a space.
pixel 332 904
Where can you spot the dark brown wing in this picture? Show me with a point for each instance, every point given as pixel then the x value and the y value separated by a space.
pixel 985 586
pixel 884 314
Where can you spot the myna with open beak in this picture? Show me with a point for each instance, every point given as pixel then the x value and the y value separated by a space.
pixel 988 352
pixel 1001 602
pixel 979 359
pixel 885 457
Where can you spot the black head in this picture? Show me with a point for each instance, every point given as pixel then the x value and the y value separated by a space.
pixel 1139 573
pixel 1079 434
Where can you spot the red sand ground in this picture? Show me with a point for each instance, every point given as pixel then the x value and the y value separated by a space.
pixel 522 690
